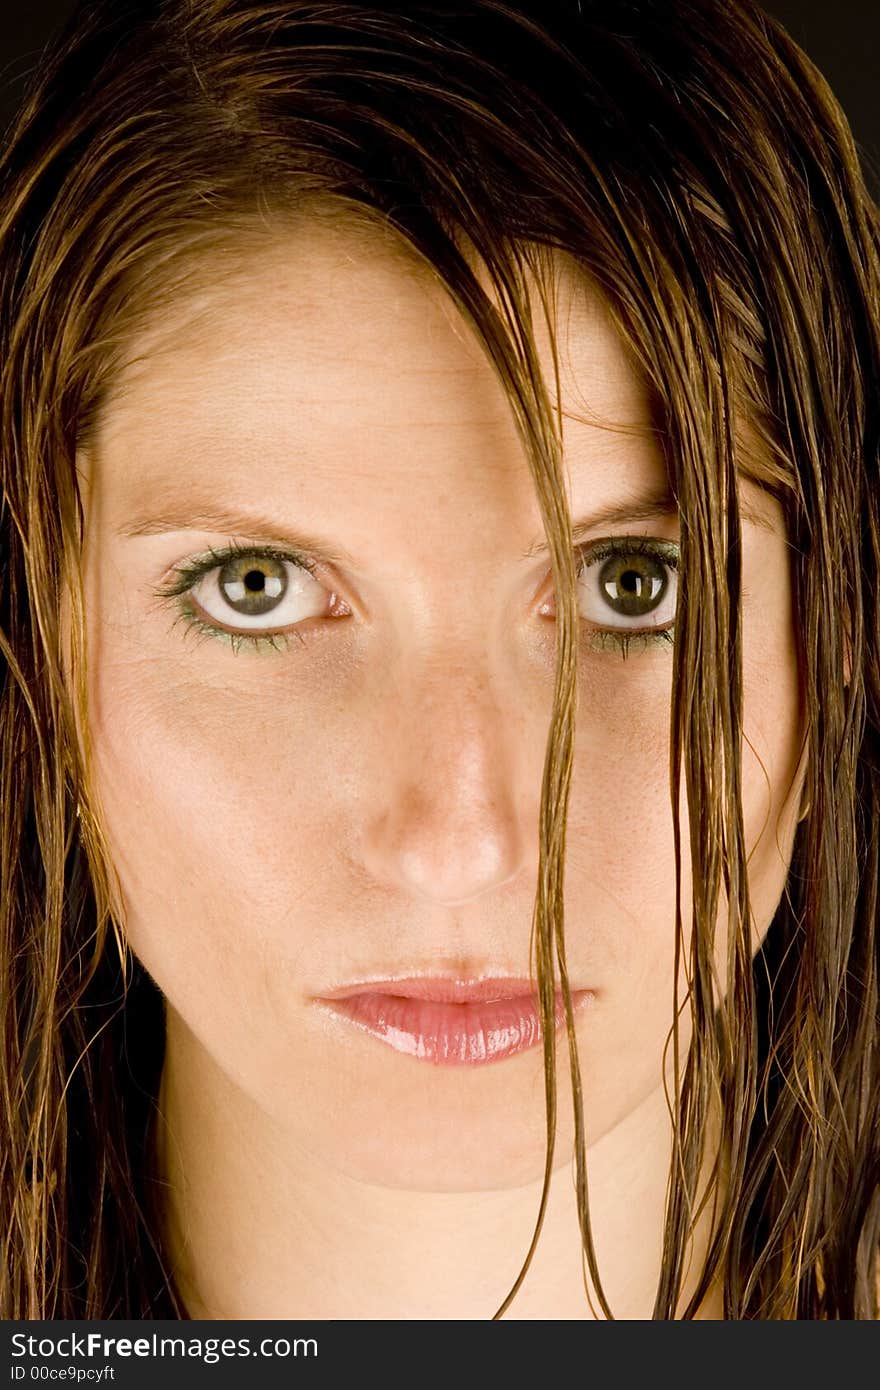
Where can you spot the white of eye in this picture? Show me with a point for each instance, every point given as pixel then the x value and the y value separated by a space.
pixel 303 598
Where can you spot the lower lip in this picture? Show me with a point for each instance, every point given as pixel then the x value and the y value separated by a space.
pixel 451 1035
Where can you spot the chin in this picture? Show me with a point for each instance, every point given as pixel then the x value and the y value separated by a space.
pixel 431 1129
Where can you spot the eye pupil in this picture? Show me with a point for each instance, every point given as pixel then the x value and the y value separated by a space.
pixel 631 581
pixel 255 581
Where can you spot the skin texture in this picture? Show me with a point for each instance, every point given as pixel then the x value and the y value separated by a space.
pixel 365 802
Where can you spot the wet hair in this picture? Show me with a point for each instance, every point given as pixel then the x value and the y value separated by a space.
pixel 695 166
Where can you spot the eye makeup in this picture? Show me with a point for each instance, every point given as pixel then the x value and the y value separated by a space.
pixel 661 555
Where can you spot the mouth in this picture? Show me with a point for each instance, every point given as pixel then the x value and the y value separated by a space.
pixel 449 1022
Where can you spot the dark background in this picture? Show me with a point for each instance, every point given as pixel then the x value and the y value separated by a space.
pixel 841 36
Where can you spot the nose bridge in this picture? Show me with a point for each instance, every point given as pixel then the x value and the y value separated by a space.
pixel 446 824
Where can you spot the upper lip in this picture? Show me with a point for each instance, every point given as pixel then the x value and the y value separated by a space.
pixel 442 989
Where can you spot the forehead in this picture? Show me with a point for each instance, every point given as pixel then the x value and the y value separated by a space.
pixel 340 315
pixel 330 362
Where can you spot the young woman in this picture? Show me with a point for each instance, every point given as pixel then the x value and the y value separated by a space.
pixel 441 709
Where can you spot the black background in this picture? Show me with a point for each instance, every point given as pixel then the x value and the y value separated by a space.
pixel 841 36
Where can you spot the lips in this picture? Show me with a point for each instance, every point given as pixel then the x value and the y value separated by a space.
pixel 448 1022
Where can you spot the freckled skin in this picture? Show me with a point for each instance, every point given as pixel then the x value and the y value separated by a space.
pixel 366 802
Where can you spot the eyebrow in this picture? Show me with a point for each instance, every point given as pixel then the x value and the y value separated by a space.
pixel 654 506
pixel 657 505
pixel 232 523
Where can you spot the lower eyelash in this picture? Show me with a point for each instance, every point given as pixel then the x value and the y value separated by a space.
pixel 622 641
pixel 257 641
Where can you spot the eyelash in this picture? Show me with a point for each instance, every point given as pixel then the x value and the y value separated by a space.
pixel 190 572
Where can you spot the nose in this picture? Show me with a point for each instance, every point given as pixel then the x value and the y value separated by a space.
pixel 449 823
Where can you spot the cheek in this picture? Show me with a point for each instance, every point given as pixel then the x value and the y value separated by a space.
pixel 620 898
pixel 619 845
pixel 220 808
pixel 620 878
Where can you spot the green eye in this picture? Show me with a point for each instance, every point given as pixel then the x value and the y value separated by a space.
pixel 635 580
pixel 251 587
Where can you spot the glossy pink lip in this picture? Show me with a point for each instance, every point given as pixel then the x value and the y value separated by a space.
pixel 449 1022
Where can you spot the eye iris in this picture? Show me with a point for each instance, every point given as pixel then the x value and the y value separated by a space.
pixel 253 584
pixel 627 589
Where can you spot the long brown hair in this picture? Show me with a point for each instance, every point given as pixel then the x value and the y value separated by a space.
pixel 694 163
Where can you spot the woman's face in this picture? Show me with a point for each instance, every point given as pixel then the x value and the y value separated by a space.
pixel 361 801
